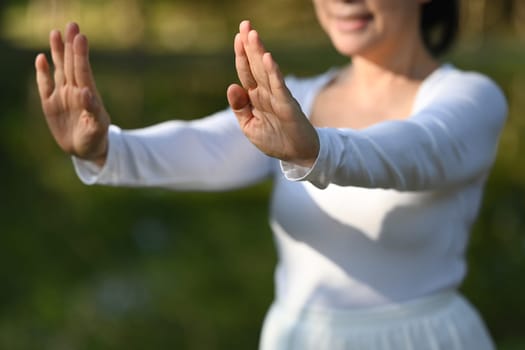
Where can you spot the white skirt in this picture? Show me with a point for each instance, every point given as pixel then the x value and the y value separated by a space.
pixel 444 321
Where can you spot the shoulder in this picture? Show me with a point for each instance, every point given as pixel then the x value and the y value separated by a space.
pixel 468 91
pixel 451 82
pixel 470 81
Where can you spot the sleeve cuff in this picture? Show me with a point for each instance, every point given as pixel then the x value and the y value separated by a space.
pixel 317 173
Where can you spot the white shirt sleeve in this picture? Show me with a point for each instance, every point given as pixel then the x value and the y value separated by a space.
pixel 205 154
pixel 451 139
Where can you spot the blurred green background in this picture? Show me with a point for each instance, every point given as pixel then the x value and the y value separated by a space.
pixel 104 268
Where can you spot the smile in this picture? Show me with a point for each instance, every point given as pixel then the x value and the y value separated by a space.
pixel 353 23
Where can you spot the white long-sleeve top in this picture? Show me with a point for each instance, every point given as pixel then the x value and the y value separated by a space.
pixel 382 216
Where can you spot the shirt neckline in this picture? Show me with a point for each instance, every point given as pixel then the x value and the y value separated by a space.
pixel 327 77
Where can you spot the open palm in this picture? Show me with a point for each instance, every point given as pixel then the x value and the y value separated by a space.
pixel 267 112
pixel 72 106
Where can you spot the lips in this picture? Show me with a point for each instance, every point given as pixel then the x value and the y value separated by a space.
pixel 353 22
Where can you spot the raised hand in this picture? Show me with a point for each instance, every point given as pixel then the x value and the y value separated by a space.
pixel 72 106
pixel 267 112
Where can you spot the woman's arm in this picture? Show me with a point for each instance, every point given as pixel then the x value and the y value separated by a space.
pixel 208 154
pixel 453 139
pixel 204 154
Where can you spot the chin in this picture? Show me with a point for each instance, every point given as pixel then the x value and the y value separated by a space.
pixel 352 43
pixel 350 48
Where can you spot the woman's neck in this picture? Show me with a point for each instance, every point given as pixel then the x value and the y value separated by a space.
pixel 409 63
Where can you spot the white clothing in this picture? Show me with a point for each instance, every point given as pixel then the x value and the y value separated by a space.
pixel 437 322
pixel 384 214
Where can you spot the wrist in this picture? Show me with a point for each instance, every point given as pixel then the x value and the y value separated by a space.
pixel 310 152
pixel 100 154
pixel 100 161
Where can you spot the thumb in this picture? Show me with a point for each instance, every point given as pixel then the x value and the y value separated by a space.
pixel 240 103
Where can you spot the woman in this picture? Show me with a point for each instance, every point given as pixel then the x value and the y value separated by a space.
pixel 379 168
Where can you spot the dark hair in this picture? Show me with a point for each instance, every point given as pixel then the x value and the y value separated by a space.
pixel 439 25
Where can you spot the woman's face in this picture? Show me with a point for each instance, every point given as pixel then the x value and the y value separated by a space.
pixel 358 27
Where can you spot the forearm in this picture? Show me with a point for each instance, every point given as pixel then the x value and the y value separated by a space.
pixel 207 154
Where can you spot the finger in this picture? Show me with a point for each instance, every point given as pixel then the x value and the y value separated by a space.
pixel 244 29
pixel 240 103
pixel 254 51
pixel 90 102
pixel 69 68
pixel 82 99
pixel 43 77
pixel 83 74
pixel 242 65
pixel 57 55
pixel 277 84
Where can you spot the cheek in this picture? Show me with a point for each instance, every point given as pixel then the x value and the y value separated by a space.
pixel 320 13
pixel 397 9
pixel 397 16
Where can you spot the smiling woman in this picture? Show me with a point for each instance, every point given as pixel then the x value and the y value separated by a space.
pixel 378 168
